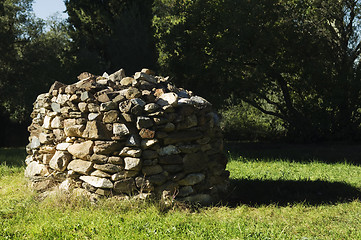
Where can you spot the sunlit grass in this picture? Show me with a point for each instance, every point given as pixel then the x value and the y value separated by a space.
pixel 23 216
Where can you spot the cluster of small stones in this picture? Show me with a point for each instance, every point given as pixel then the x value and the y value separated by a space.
pixel 117 135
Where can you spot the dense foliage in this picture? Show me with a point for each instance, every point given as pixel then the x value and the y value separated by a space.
pixel 111 34
pixel 31 57
pixel 295 62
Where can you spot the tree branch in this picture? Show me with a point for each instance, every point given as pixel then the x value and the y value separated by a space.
pixel 256 105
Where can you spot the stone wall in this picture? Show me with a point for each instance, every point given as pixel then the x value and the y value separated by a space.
pixel 116 135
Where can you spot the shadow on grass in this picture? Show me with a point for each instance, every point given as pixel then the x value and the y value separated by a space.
pixel 282 193
pixel 323 152
pixel 14 157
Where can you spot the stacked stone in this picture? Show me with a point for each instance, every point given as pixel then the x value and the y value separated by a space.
pixel 114 134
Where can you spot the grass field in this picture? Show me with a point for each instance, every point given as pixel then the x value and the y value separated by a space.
pixel 274 194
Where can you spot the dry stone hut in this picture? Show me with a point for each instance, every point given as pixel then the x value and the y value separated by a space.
pixel 116 135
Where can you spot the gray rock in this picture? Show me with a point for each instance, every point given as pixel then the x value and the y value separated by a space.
pixel 189 148
pixel 185 191
pixel 57 122
pixel 169 127
pixel 130 152
pixel 107 147
pixel 94 116
pixel 62 98
pixel 124 174
pixel 182 136
pixel 62 146
pixel 85 96
pixel 116 160
pixel 83 107
pixel 107 106
pixel 173 168
pixel 108 167
pixel 35 169
pixel 171 159
pixel 149 154
pixel 55 107
pixel 192 179
pixel 97 181
pixel 144 122
pixel 143 184
pixel 111 116
pixel 195 162
pixel 47 122
pixel 103 192
pixel 81 150
pixel 99 173
pixel 151 107
pixel 97 131
pixel 132 164
pixel 74 131
pixel 138 101
pixel 168 150
pixel 125 106
pixel 200 102
pixel 117 76
pixel 147 143
pixel 157 179
pixel 35 143
pixel 152 170
pixel 127 81
pixel 96 158
pixel 60 160
pixel 93 108
pixel 168 99
pixel 133 93
pixel 189 122
pixel 133 141
pixel 80 166
pixel 203 199
pixel 144 76
pixel 120 129
pixel 125 186
pixel 45 138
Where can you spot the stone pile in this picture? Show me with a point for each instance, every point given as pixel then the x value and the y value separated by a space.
pixel 117 135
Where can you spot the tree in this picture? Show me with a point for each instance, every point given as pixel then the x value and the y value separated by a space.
pixel 295 60
pixel 32 57
pixel 111 34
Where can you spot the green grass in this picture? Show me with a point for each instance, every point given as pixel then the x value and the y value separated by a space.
pixel 270 198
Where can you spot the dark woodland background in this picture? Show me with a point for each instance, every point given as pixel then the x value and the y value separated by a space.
pixel 275 70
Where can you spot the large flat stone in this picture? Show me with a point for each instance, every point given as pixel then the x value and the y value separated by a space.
pixel 107 147
pixel 108 167
pixel 80 166
pixel 97 181
pixel 81 150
